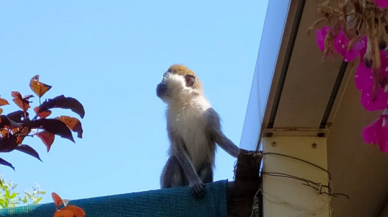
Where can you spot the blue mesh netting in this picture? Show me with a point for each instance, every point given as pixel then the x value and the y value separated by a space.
pixel 165 202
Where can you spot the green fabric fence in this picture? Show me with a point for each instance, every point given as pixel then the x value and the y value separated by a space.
pixel 165 202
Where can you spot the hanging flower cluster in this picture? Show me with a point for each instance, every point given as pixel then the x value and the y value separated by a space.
pixel 358 28
pixel 382 3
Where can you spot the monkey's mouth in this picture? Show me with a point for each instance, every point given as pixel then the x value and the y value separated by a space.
pixel 161 90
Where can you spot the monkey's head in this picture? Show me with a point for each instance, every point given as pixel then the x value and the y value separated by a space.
pixel 178 83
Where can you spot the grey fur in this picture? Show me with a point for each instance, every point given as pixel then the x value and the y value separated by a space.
pixel 181 169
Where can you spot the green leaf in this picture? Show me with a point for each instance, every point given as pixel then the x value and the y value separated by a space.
pixel 36 201
pixel 41 192
pixel 9 198
pixel 13 195
pixel 25 200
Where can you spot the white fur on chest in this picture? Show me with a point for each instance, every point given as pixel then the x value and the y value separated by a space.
pixel 189 122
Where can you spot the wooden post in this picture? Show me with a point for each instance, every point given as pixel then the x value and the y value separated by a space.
pixel 242 191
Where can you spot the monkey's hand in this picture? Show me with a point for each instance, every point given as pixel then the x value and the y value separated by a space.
pixel 198 189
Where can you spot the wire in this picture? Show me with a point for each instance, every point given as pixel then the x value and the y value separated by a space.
pixel 307 162
pixel 314 185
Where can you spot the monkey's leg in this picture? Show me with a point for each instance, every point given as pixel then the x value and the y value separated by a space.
pixel 173 174
pixel 195 183
pixel 206 173
pixel 179 151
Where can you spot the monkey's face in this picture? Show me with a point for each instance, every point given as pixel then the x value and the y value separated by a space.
pixel 175 87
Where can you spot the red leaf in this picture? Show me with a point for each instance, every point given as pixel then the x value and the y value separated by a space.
pixel 8 144
pixel 70 211
pixel 22 134
pixel 57 199
pixel 20 101
pixel 64 213
pixel 53 126
pixel 42 114
pixel 4 121
pixel 4 132
pixel 65 103
pixel 6 163
pixel 17 116
pixel 38 87
pixel 47 138
pixel 28 150
pixel 73 123
pixel 3 102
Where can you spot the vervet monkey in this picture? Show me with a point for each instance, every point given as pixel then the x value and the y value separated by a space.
pixel 193 129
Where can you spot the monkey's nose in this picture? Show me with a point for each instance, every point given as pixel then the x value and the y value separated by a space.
pixel 161 89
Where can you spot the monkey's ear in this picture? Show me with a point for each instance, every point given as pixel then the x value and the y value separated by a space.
pixel 190 79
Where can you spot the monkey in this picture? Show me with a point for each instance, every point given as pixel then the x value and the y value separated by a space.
pixel 193 129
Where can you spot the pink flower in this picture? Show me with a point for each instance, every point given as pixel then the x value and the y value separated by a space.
pixel 321 34
pixel 384 63
pixel 377 132
pixel 382 3
pixel 370 104
pixel 341 46
pixel 365 82
pixel 364 75
pixel 364 78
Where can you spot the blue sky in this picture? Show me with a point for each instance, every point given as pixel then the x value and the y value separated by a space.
pixel 110 55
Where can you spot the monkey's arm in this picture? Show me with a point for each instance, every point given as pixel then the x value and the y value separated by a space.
pixel 214 128
pixel 179 151
pixel 226 144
